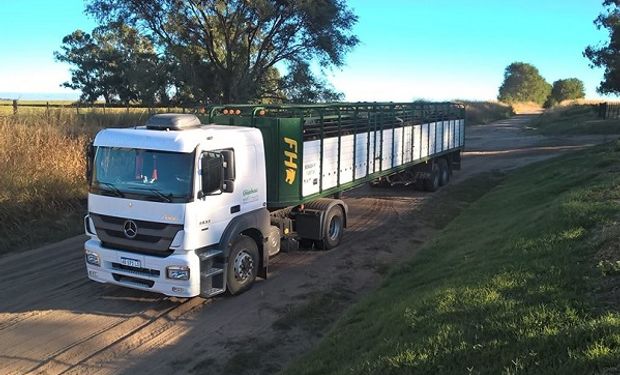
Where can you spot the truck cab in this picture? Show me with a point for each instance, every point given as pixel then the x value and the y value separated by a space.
pixel 178 208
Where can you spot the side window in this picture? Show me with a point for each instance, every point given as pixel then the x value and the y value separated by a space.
pixel 211 173
pixel 217 172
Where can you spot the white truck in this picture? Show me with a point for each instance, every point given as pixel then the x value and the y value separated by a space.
pixel 184 208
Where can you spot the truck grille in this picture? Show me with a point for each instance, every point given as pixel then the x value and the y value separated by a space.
pixel 136 270
pixel 133 280
pixel 151 238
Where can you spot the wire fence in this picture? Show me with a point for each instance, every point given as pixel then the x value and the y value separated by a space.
pixel 15 108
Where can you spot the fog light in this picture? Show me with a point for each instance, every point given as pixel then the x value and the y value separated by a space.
pixel 177 272
pixel 92 258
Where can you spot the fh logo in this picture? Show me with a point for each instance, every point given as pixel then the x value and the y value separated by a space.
pixel 290 160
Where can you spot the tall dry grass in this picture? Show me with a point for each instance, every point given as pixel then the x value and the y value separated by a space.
pixel 42 173
pixel 484 112
pixel 42 184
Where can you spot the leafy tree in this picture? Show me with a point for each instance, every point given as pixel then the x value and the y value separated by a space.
pixel 523 83
pixel 565 89
pixel 607 56
pixel 114 62
pixel 301 86
pixel 89 74
pixel 227 51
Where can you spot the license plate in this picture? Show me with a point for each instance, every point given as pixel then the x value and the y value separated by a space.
pixel 131 262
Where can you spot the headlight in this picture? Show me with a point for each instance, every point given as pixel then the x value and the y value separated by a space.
pixel 92 258
pixel 177 272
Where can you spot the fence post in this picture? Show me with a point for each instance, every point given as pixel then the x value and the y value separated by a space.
pixel 14 106
pixel 77 107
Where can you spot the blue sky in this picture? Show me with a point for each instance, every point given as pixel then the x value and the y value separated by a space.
pixel 431 49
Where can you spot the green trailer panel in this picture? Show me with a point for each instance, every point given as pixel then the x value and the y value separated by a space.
pixel 316 151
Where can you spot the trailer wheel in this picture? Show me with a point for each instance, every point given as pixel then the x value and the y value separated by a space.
pixel 332 230
pixel 432 182
pixel 444 172
pixel 242 265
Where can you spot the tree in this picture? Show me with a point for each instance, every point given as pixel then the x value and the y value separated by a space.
pixel 115 62
pixel 565 89
pixel 89 73
pixel 523 83
pixel 607 56
pixel 237 44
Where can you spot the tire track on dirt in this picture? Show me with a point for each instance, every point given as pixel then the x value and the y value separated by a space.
pixel 124 336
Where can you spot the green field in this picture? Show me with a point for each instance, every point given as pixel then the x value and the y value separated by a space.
pixel 525 280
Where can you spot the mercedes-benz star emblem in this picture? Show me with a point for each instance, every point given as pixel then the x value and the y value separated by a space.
pixel 131 229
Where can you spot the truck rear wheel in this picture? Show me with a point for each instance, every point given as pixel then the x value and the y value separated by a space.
pixel 332 229
pixel 432 182
pixel 243 265
pixel 444 172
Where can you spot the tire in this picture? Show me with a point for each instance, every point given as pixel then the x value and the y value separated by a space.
pixel 332 230
pixel 243 264
pixel 444 172
pixel 431 184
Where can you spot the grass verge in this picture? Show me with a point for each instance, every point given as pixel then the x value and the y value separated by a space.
pixel 522 281
pixel 574 119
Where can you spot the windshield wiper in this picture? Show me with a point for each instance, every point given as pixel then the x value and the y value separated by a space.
pixel 113 189
pixel 167 198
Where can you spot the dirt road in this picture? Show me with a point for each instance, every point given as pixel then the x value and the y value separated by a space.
pixel 53 320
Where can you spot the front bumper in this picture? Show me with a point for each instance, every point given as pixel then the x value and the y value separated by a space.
pixel 150 276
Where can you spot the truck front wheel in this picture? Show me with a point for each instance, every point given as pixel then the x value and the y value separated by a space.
pixel 242 265
pixel 332 230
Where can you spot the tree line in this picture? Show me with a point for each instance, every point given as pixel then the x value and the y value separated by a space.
pixel 190 52
pixel 523 83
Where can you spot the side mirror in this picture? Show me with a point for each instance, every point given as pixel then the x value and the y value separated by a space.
pixel 229 171
pixel 90 157
pixel 212 173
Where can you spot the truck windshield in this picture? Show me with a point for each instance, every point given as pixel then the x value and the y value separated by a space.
pixel 143 174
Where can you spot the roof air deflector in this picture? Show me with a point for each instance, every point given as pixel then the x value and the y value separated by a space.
pixel 172 121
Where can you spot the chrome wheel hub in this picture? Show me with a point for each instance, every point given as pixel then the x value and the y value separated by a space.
pixel 243 267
